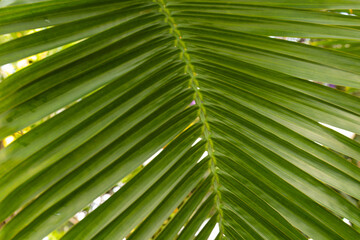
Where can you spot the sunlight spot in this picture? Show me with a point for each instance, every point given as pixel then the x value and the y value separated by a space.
pixel 115 189
pixel 8 68
pixel 214 232
pixel 105 197
pixel 97 200
pixel 60 110
pixel 80 215
pixel 152 157
pixel 345 220
pixel 96 203
pixel 8 140
pixel 196 141
pixel 339 130
pixel 202 226
pixel 22 63
pixel 203 156
pixel 181 230
pixel 348 14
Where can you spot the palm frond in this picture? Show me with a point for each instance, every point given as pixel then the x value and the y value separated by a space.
pixel 251 156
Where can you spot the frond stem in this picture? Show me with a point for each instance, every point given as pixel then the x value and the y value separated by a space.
pixel 194 84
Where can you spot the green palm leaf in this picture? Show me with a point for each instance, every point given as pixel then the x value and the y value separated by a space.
pixel 250 157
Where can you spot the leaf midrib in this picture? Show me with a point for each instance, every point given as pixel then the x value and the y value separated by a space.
pixel 194 84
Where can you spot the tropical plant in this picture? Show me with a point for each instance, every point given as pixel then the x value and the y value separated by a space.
pixel 236 112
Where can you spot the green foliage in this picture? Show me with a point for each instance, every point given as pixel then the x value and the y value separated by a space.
pixel 238 115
